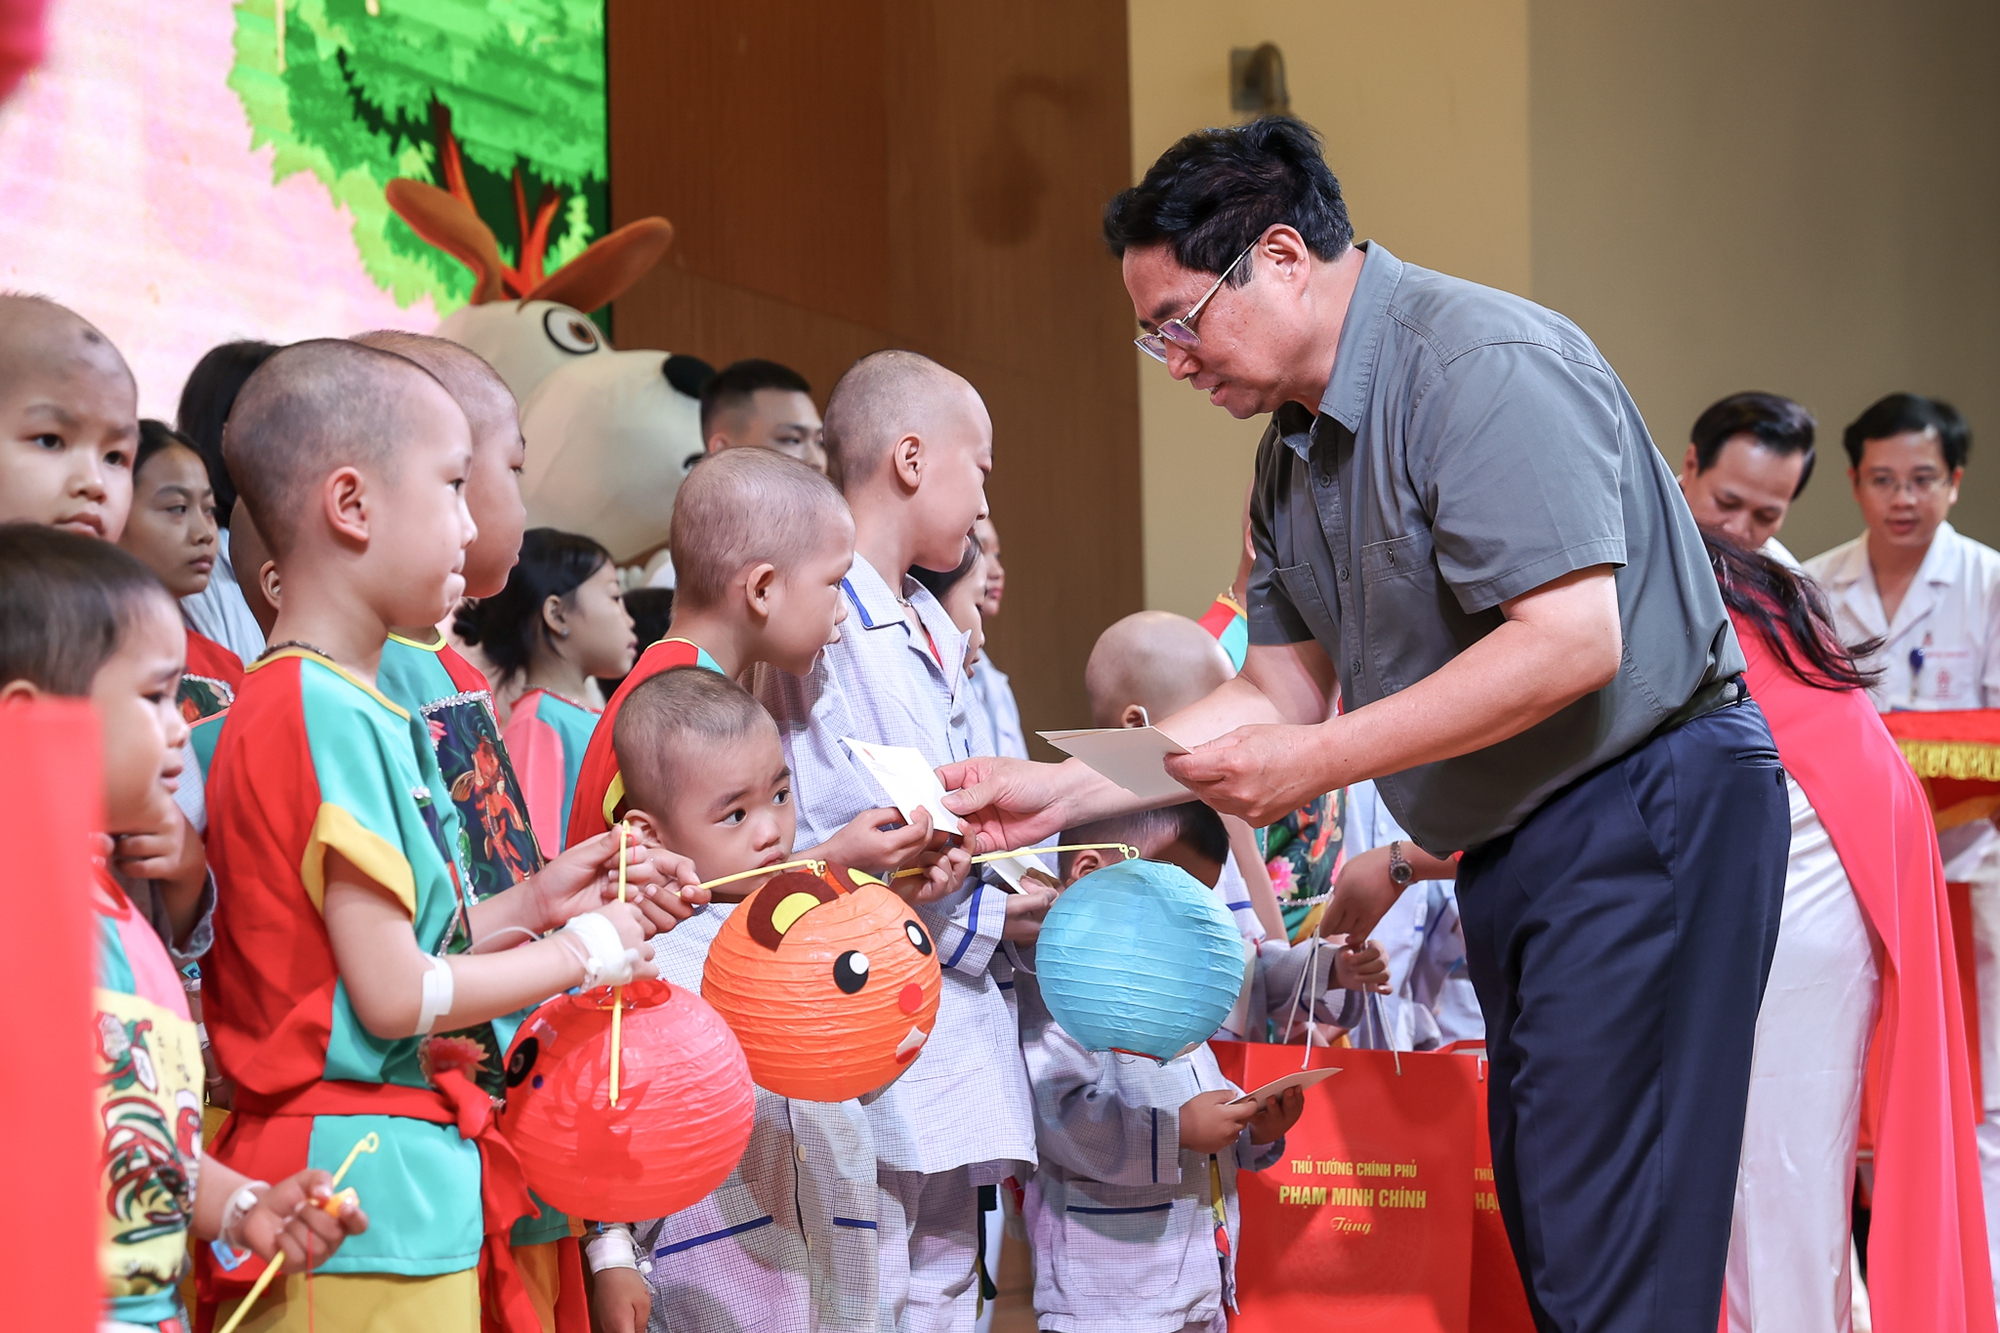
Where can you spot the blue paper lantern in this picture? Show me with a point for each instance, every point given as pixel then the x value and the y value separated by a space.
pixel 1139 957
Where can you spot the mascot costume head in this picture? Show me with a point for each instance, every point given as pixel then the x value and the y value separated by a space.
pixel 610 434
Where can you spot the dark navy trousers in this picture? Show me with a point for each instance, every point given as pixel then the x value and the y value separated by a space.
pixel 1619 941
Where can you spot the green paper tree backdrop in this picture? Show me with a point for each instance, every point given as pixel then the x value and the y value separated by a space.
pixel 500 102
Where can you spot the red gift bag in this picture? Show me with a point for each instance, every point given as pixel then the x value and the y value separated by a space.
pixel 51 798
pixel 1498 1303
pixel 1366 1222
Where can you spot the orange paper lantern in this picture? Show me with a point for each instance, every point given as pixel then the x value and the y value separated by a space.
pixel 685 1104
pixel 829 981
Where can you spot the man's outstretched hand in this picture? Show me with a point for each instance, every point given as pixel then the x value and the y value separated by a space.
pixel 1006 803
pixel 1260 773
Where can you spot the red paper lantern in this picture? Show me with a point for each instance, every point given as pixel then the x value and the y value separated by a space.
pixel 685 1104
pixel 829 981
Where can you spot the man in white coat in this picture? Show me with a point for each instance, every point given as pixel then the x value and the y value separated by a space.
pixel 1932 597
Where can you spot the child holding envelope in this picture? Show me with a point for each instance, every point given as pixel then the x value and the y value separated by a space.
pixel 1132 1213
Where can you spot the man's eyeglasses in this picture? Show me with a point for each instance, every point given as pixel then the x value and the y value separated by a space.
pixel 1888 487
pixel 1180 332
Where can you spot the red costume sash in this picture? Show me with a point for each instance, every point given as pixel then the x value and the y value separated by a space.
pixel 269 1138
pixel 600 761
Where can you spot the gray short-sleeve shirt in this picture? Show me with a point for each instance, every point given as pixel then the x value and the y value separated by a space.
pixel 1473 446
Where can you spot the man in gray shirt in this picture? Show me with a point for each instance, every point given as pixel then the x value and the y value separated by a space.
pixel 1464 532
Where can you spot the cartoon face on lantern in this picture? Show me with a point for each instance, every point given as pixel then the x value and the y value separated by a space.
pixel 830 983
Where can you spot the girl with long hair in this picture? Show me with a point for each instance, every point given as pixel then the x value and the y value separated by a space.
pixel 1865 933
pixel 559 621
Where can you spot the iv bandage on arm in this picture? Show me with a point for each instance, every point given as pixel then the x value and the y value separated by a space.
pixel 606 960
pixel 436 1002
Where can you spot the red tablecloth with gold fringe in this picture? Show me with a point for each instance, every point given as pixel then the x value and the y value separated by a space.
pixel 1957 755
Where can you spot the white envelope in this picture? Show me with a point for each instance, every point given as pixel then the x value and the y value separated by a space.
pixel 1013 868
pixel 1132 757
pixel 1305 1078
pixel 910 782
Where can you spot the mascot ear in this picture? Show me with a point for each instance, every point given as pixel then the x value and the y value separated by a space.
pixel 689 374
pixel 608 266
pixel 452 227
pixel 777 906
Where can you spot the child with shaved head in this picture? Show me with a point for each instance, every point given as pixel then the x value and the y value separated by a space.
pixel 705 774
pixel 913 443
pixel 346 938
pixel 432 680
pixel 69 438
pixel 1151 665
pixel 69 421
pixel 1137 1155
pixel 427 676
pixel 761 543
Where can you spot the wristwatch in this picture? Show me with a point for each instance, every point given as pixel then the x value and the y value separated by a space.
pixel 1400 871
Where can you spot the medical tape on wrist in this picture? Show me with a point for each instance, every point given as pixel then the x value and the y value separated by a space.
pixel 239 1205
pixel 611 1248
pixel 607 962
pixel 436 1002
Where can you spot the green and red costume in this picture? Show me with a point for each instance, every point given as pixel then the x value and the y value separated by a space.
pixel 600 790
pixel 315 760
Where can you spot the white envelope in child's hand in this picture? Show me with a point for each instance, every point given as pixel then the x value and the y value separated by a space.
pixel 911 783
pixel 1132 757
pixel 1013 869
pixel 1305 1078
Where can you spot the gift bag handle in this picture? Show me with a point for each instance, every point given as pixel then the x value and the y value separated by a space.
pixel 1372 1017
pixel 1371 1010
pixel 1310 971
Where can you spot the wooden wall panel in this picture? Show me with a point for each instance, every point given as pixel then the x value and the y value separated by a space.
pixel 758 128
pixel 857 174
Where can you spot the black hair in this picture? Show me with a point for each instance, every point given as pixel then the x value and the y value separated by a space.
pixel 155 436
pixel 1901 412
pixel 65 604
pixel 206 398
pixel 508 624
pixel 652 612
pixel 1778 423
pixel 734 384
pixel 1789 612
pixel 1218 190
pixel 1191 822
pixel 940 584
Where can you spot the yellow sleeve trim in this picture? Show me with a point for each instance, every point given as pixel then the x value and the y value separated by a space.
pixel 334 828
pixel 614 796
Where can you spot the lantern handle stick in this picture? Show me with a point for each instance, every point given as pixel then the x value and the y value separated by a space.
pixel 817 867
pixel 618 992
pixel 369 1143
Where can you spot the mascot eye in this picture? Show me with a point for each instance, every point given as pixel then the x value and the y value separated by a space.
pixel 523 1062
pixel 918 940
pixel 571 331
pixel 850 971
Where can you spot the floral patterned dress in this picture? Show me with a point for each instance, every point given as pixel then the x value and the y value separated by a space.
pixel 1303 850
